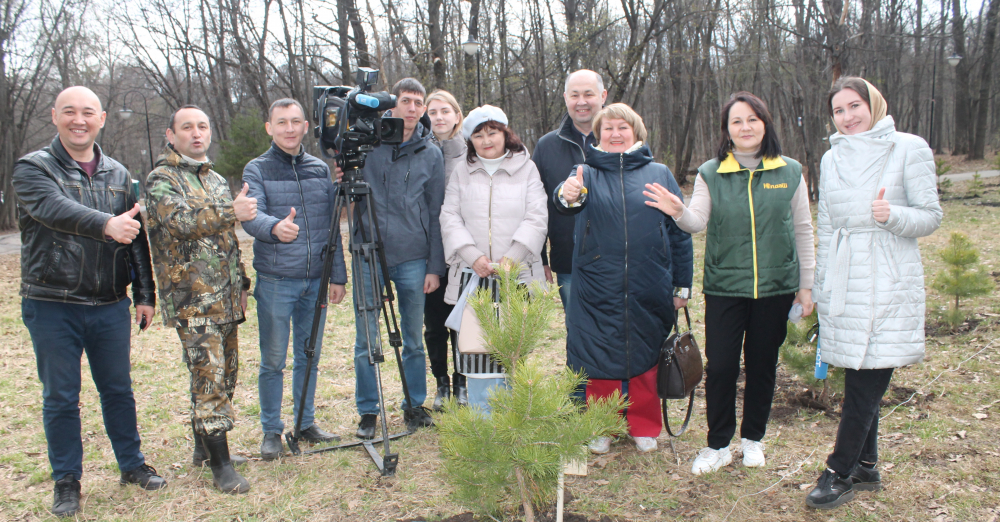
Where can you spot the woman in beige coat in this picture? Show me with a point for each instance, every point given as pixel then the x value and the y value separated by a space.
pixel 494 207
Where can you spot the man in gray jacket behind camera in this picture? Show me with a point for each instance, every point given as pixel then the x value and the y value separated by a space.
pixel 407 183
pixel 295 200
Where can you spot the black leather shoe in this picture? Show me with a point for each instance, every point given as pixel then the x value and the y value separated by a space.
pixel 199 458
pixel 315 434
pixel 443 393
pixel 145 476
pixel 272 447
pixel 866 479
pixel 224 476
pixel 366 428
pixel 831 491
pixel 66 497
pixel 418 417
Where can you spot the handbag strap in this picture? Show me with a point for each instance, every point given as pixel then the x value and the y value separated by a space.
pixel 677 321
pixel 687 417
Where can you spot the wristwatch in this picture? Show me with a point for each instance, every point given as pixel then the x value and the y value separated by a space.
pixel 683 293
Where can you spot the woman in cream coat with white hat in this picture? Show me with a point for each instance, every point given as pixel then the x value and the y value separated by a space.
pixel 494 205
pixel 878 194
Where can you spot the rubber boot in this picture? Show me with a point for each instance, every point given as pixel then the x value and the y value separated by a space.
pixel 224 475
pixel 200 458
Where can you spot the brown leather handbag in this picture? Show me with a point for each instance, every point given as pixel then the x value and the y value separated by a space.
pixel 679 370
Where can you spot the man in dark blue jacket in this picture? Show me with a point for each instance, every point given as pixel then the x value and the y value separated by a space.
pixel 295 199
pixel 555 156
pixel 407 183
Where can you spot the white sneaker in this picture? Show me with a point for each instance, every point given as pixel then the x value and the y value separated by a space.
pixel 709 460
pixel 645 444
pixel 600 445
pixel 753 453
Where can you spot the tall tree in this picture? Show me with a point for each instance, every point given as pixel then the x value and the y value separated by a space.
pixel 985 81
pixel 963 134
pixel 436 40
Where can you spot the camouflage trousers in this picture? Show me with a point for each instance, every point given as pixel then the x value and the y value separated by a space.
pixel 211 353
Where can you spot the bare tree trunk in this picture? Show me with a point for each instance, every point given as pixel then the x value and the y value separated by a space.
pixel 343 31
pixel 918 76
pixel 986 81
pixel 436 38
pixel 471 78
pixel 571 9
pixel 962 101
pixel 360 42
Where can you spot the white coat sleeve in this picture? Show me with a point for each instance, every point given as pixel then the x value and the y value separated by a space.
pixel 917 212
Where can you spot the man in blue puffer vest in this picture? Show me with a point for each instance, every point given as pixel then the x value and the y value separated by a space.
pixel 295 199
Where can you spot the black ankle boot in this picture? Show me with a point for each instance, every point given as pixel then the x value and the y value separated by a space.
pixel 443 392
pixel 461 390
pixel 224 476
pixel 199 458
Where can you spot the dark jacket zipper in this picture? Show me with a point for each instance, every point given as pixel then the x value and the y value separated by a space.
pixel 100 244
pixel 582 152
pixel 628 351
pixel 305 216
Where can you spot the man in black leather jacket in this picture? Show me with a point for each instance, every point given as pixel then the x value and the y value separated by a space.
pixel 83 244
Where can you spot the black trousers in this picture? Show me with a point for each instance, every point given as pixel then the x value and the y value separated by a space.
pixel 437 335
pixel 755 328
pixel 857 436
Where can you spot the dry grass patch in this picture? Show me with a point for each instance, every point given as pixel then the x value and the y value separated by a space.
pixel 939 451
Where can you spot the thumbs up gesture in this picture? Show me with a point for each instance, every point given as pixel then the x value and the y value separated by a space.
pixel 123 228
pixel 286 230
pixel 245 208
pixel 573 186
pixel 881 207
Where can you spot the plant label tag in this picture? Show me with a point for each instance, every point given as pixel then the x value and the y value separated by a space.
pixel 576 467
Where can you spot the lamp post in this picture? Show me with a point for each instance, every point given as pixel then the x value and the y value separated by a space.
pixel 126 113
pixel 471 47
pixel 953 61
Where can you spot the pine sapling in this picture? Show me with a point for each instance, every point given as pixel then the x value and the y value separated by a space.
pixel 976 185
pixel 798 354
pixel 514 456
pixel 962 276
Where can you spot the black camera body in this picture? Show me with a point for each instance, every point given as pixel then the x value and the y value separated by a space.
pixel 349 121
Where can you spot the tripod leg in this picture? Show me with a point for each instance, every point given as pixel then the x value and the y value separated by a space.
pixel 389 312
pixel 370 284
pixel 292 438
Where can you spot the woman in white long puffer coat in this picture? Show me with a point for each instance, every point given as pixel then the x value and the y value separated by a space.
pixel 878 194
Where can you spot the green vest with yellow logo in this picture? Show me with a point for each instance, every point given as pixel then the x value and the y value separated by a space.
pixel 750 245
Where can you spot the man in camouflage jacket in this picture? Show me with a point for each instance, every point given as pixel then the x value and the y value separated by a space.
pixel 202 281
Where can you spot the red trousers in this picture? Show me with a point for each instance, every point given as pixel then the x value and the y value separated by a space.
pixel 644 416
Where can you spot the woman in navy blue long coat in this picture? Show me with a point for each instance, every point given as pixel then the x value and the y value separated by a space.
pixel 632 268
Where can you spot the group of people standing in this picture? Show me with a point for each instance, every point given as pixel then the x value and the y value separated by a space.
pixel 589 209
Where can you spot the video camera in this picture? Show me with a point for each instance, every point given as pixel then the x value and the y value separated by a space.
pixel 349 121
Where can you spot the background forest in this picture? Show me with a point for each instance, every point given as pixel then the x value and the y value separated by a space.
pixel 675 61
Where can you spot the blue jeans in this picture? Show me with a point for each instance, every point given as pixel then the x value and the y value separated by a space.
pixel 60 333
pixel 283 303
pixel 409 282
pixel 565 282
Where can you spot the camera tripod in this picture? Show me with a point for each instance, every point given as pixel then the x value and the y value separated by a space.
pixel 367 250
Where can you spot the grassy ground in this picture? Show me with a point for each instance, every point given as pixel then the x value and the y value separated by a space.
pixel 939 451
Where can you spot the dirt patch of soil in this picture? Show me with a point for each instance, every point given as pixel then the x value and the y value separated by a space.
pixel 941 329
pixel 899 394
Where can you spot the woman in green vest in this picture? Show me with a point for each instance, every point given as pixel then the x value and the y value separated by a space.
pixel 759 261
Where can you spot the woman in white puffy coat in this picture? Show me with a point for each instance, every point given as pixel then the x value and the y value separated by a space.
pixel 878 194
